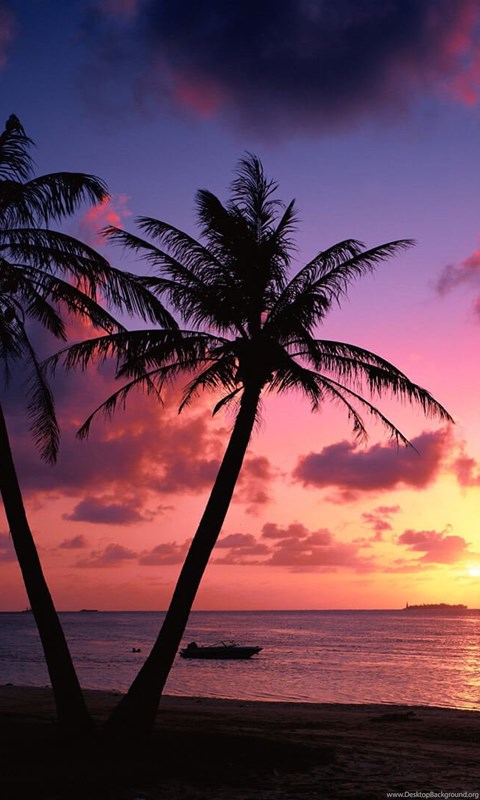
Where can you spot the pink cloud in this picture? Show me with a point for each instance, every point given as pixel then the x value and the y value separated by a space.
pixel 111 211
pixel 145 449
pixel 437 547
pixel 467 471
pixel 202 96
pixel 379 468
pixel 466 272
pixel 379 520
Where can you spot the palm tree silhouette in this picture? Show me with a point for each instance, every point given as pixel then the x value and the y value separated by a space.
pixel 42 273
pixel 249 330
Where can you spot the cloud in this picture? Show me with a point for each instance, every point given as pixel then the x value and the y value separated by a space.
pixel 437 547
pixel 277 67
pixel 379 520
pixel 379 468
pixel 102 511
pixel 111 211
pixel 114 555
pixel 7 550
pixel 295 531
pixel 244 548
pixel 75 543
pixel 466 273
pixel 293 546
pixel 145 449
pixel 7 32
pixel 165 554
pixel 254 481
pixel 466 470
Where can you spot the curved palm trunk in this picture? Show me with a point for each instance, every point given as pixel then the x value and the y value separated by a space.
pixel 71 708
pixel 135 714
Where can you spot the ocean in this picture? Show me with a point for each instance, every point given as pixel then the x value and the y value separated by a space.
pixel 308 656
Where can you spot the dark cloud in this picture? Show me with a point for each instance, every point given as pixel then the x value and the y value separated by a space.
pixel 75 543
pixel 281 65
pixel 293 546
pixel 102 511
pixel 165 554
pixel 437 547
pixel 114 555
pixel 237 540
pixel 243 549
pixel 381 467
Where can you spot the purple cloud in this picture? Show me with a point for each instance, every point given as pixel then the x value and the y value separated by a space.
pixel 165 554
pixel 379 468
pixel 75 543
pixel 101 511
pixel 114 555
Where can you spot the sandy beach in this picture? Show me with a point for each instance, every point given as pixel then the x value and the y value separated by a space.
pixel 238 750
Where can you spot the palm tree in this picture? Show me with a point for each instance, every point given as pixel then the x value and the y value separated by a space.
pixel 43 272
pixel 250 330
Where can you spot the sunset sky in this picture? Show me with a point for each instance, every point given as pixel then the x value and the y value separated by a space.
pixel 368 114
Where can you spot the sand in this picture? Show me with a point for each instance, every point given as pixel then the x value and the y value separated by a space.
pixel 234 750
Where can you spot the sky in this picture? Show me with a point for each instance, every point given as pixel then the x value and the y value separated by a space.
pixel 368 114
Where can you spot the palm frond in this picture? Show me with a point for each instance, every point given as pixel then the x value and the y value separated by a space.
pixel 335 279
pixel 368 371
pixel 41 408
pixel 218 375
pixel 252 194
pixel 118 398
pixel 15 159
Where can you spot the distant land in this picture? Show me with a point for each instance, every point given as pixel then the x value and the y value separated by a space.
pixel 436 607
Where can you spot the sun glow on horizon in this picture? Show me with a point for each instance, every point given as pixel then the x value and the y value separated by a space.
pixel 473 570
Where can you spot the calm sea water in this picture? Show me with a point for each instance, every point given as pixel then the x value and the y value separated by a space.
pixel 314 656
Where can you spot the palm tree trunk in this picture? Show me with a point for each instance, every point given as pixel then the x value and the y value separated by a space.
pixel 135 714
pixel 72 712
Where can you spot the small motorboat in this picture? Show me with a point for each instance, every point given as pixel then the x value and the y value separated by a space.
pixel 221 650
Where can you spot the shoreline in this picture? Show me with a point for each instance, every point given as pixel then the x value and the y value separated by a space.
pixel 245 749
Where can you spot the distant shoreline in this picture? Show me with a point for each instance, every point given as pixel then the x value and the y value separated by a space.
pixel 426 606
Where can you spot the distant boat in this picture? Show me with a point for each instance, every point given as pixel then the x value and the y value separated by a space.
pixel 88 611
pixel 437 607
pixel 227 650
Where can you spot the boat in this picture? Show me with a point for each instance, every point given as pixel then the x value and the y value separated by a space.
pixel 447 607
pixel 229 650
